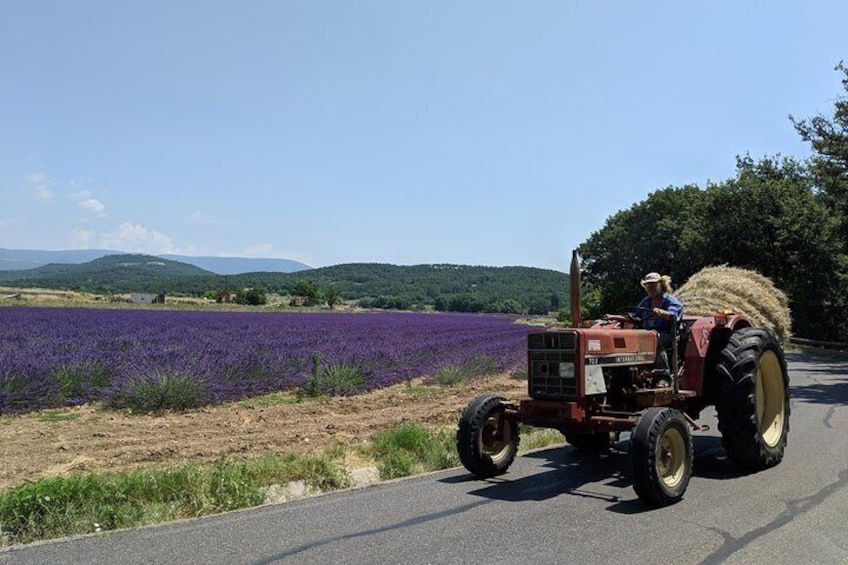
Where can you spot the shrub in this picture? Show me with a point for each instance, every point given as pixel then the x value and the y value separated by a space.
pixel 159 392
pixel 336 379
pixel 479 365
pixel 252 296
pixel 78 381
pixel 449 376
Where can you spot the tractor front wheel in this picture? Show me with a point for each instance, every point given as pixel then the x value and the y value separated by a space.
pixel 661 456
pixel 753 399
pixel 486 440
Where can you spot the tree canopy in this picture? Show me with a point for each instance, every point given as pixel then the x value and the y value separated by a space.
pixel 786 219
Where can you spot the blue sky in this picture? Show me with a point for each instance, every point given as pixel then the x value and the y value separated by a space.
pixel 480 133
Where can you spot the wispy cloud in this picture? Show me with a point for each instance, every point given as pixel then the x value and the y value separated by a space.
pixel 201 218
pixel 137 238
pixel 81 195
pixel 41 185
pixel 81 239
pixel 93 205
pixel 204 218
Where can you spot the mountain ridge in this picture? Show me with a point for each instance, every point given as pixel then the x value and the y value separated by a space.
pixel 450 287
pixel 24 259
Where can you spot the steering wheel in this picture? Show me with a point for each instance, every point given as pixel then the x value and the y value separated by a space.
pixel 623 316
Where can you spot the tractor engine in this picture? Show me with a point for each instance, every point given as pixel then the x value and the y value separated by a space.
pixel 596 367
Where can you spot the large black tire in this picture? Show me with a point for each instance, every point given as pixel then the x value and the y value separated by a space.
pixel 753 399
pixel 479 450
pixel 661 456
pixel 589 442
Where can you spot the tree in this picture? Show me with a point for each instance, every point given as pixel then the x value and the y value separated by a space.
pixel 255 296
pixel 332 295
pixel 662 234
pixel 768 219
pixel 828 138
pixel 308 290
pixel 506 306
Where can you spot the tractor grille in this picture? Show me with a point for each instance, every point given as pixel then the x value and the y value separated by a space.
pixel 552 340
pixel 552 371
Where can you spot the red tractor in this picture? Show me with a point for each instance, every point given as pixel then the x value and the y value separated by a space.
pixel 592 383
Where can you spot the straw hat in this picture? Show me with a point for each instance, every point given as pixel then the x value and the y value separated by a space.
pixel 651 278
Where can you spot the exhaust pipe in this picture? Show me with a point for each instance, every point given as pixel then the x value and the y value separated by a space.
pixel 574 280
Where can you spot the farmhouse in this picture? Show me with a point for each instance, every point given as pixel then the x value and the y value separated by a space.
pixel 146 298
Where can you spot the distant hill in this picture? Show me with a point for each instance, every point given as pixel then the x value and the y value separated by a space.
pixel 20 259
pixel 441 286
pixel 236 265
pixel 112 273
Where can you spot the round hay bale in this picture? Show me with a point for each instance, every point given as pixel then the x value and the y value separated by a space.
pixel 748 293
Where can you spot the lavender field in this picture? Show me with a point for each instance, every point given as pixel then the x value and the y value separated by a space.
pixel 51 357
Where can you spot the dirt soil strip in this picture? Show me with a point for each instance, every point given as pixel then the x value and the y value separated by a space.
pixel 87 439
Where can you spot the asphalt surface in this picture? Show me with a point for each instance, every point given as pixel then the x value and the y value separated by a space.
pixel 554 506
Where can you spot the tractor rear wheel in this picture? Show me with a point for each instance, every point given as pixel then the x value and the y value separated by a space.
pixel 661 456
pixel 753 399
pixel 482 451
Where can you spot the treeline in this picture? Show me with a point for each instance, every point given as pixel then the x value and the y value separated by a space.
pixel 458 288
pixel 784 218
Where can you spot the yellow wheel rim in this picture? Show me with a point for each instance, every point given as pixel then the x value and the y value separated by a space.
pixel 491 446
pixel 671 457
pixel 770 398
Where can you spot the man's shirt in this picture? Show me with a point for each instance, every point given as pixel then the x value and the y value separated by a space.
pixel 644 311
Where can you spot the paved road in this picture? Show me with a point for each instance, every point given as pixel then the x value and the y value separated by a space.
pixel 552 507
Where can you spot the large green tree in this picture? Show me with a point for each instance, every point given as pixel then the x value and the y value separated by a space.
pixel 769 219
pixel 662 233
pixel 828 138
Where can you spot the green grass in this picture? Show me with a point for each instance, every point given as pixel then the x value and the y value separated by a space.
pixel 79 504
pixel 56 416
pixel 536 438
pixel 272 399
pixel 411 449
pixel 420 390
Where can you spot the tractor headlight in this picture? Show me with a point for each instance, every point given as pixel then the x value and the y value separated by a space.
pixel 566 370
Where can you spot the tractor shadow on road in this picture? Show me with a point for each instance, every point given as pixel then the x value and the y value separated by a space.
pixel 605 477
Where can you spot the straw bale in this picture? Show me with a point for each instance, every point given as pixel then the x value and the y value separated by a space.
pixel 748 293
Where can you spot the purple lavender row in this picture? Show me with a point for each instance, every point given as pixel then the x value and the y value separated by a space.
pixel 52 357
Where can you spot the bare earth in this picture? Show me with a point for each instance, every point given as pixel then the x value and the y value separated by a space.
pixel 87 439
